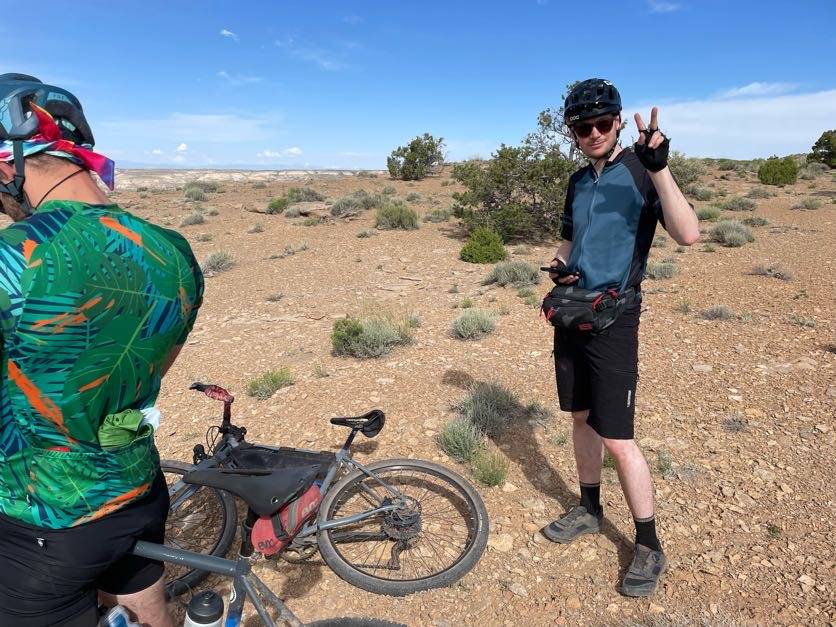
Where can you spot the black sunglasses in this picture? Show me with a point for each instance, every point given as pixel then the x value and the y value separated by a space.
pixel 584 129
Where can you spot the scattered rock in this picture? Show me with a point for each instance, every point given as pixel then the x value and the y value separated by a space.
pixel 502 542
pixel 518 589
pixel 573 603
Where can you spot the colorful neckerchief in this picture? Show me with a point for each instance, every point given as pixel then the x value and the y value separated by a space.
pixel 49 140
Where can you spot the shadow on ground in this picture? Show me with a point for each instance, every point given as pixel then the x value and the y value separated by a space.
pixel 524 450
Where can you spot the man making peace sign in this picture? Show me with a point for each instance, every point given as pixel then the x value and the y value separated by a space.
pixel 612 207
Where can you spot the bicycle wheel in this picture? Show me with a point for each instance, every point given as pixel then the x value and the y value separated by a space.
pixel 431 542
pixel 205 523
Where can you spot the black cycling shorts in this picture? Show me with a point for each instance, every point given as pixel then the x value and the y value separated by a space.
pixel 51 576
pixel 599 373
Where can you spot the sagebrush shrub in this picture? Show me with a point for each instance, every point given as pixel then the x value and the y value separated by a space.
pixel 483 246
pixel 660 270
pixel 719 312
pixel 394 215
pixel 759 192
pixel 684 169
pixel 277 205
pixel 516 273
pixel 808 203
pixel 370 336
pixel 413 197
pixel 775 270
pixel 219 261
pixel 490 468
pixel 755 221
pixel 473 324
pixel 731 233
pixel 204 186
pixel 738 203
pixel 700 193
pixel 461 439
pixel 708 214
pixel 195 217
pixel 778 171
pixel 303 194
pixel 359 200
pixel 269 383
pixel 490 407
pixel 194 193
pixel 439 215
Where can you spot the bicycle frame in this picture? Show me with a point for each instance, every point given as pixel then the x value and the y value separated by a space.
pixel 342 459
pixel 245 583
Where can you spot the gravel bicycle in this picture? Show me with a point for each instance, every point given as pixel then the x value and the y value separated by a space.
pixel 246 586
pixel 393 527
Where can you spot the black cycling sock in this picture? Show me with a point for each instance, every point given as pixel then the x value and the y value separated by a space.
pixel 646 533
pixel 591 497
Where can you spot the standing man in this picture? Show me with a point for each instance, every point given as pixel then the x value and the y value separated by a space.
pixel 612 207
pixel 95 305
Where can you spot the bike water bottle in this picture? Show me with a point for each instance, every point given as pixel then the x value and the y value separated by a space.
pixel 206 609
pixel 117 617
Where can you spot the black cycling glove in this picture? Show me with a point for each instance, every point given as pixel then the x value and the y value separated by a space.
pixel 654 159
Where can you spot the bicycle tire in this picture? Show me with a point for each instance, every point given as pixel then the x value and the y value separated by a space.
pixel 378 585
pixel 190 578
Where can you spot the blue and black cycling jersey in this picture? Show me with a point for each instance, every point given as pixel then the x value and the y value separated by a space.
pixel 610 219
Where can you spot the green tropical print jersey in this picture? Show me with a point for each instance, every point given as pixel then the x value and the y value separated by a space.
pixel 92 301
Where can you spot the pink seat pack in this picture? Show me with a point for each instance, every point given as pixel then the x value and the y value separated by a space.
pixel 272 533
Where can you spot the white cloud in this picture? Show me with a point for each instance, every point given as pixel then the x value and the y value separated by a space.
pixel 293 151
pixel 660 6
pixel 758 89
pixel 182 148
pixel 238 79
pixel 325 59
pixel 743 128
pixel 228 33
pixel 221 128
pixel 156 151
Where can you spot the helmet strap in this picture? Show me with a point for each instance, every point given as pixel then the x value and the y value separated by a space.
pixel 14 188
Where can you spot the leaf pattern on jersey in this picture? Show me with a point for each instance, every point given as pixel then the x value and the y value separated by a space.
pixel 92 300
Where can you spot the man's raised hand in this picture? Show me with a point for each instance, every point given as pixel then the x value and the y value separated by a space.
pixel 652 131
pixel 652 146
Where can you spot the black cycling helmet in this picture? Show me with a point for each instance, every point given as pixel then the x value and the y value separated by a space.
pixel 16 121
pixel 18 124
pixel 590 98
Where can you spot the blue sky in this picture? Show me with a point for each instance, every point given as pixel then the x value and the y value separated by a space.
pixel 340 84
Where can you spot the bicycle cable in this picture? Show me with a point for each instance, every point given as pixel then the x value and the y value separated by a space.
pixel 210 445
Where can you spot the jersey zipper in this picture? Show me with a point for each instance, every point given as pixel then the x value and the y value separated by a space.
pixel 595 178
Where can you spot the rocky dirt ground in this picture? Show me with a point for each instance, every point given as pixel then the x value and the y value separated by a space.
pixel 736 417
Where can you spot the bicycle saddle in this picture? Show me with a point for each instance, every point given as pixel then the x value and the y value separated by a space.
pixel 264 491
pixel 369 424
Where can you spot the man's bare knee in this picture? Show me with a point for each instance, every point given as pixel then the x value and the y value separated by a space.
pixel 148 607
pixel 620 449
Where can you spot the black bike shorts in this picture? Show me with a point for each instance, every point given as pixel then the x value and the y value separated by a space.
pixel 599 373
pixel 51 576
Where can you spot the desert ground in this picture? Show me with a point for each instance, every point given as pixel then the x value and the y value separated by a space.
pixel 736 417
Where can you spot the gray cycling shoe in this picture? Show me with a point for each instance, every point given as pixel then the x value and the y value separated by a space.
pixel 644 573
pixel 576 522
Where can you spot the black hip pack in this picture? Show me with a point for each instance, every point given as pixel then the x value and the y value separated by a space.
pixel 591 311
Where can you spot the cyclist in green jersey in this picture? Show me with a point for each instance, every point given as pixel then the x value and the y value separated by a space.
pixel 95 305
